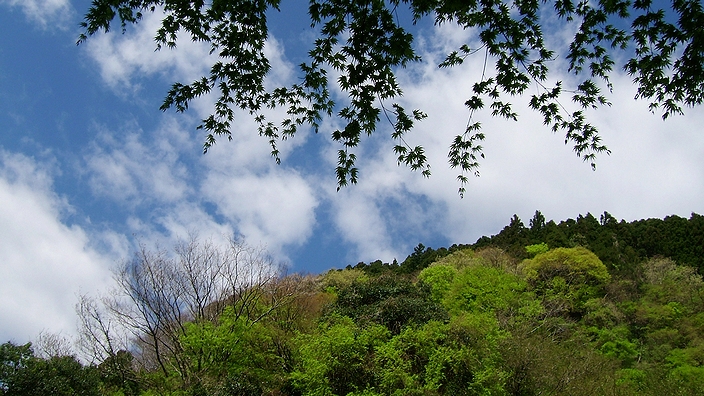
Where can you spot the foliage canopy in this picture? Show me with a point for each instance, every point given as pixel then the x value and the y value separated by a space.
pixel 22 373
pixel 364 42
pixel 575 265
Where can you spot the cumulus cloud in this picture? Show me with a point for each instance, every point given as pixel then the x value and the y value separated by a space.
pixel 132 166
pixel 277 208
pixel 151 175
pixel 44 12
pixel 171 190
pixel 265 203
pixel 175 223
pixel 237 180
pixel 654 166
pixel 269 204
pixel 127 59
pixel 359 219
pixel 45 262
pixel 654 170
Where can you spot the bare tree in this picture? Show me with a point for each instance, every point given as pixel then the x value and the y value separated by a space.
pixel 100 336
pixel 158 293
pixel 49 345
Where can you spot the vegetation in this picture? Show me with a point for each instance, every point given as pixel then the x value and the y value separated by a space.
pixel 23 373
pixel 363 43
pixel 619 244
pixel 588 318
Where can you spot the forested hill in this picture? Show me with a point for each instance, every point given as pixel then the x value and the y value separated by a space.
pixel 529 311
pixel 619 244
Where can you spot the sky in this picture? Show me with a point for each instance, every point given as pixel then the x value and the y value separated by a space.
pixel 90 167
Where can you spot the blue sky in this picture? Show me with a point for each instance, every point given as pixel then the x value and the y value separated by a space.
pixel 89 165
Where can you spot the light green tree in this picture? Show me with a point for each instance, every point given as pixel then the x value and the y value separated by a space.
pixel 338 358
pixel 537 248
pixel 566 277
pixel 438 278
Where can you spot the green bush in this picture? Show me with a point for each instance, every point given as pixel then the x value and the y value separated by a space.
pixel 538 248
pixel 566 278
pixel 575 265
pixel 438 278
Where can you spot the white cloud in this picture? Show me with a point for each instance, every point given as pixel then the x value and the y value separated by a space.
pixel 169 225
pixel 380 216
pixel 124 167
pixel 264 202
pixel 154 176
pixel 655 168
pixel 45 262
pixel 44 12
pixel 127 59
pixel 275 206
pixel 167 186
pixel 652 173
pixel 359 219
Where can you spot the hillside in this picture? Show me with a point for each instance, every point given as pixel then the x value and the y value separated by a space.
pixel 580 307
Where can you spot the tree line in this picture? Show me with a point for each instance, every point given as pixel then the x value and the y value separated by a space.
pixel 486 318
pixel 620 244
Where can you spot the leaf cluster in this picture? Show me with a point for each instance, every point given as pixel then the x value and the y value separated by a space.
pixel 365 42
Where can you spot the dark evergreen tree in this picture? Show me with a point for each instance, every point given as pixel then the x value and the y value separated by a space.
pixel 389 300
pixel 619 244
pixel 23 374
pixel 537 226
pixel 421 258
